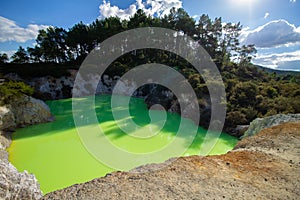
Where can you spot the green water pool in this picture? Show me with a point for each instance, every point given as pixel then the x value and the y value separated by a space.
pixel 55 153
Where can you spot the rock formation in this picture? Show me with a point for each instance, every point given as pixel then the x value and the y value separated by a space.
pixel 50 88
pixel 264 166
pixel 7 118
pixel 14 184
pixel 23 111
pixel 17 185
pixel 261 123
pixel 5 142
pixel 20 112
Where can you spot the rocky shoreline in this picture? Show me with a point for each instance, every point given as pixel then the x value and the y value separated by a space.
pixel 22 111
pixel 15 184
pixel 264 166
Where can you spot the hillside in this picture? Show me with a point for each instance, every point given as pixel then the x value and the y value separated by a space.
pixel 278 72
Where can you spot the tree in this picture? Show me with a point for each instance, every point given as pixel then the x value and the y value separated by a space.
pixel 35 54
pixel 230 41
pixel 78 41
pixel 208 34
pixel 21 56
pixel 44 45
pixel 3 58
pixel 139 19
pixel 246 53
pixel 52 44
pixel 168 21
pixel 184 23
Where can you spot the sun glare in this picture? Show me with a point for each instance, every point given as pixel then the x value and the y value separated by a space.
pixel 244 3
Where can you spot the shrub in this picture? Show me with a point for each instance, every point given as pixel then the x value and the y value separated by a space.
pixel 243 94
pixel 271 92
pixel 250 113
pixel 13 89
pixel 235 118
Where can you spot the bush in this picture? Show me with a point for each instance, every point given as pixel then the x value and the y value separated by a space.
pixel 250 113
pixel 13 89
pixel 271 92
pixel 235 118
pixel 243 94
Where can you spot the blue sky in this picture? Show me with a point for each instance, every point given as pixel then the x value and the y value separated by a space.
pixel 273 25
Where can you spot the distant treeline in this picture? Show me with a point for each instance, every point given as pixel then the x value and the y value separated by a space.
pixel 57 45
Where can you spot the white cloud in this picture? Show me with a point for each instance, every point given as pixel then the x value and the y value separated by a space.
pixel 10 31
pixel 106 10
pixel 151 7
pixel 281 61
pixel 266 15
pixel 293 1
pixel 273 34
pixel 195 16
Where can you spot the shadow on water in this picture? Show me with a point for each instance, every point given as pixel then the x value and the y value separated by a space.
pixel 63 113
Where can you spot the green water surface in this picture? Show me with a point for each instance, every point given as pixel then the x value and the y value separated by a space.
pixel 55 153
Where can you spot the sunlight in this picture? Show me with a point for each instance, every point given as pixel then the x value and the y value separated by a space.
pixel 242 3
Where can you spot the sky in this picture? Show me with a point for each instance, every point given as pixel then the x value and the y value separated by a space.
pixel 272 25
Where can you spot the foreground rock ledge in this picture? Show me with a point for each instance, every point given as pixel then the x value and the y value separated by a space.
pixel 20 112
pixel 14 184
pixel 265 166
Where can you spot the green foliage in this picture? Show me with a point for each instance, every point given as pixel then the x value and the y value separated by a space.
pixel 52 45
pixel 250 113
pixel 271 92
pixel 259 98
pixel 21 56
pixel 243 94
pixel 234 118
pixel 116 69
pixel 13 89
pixel 57 45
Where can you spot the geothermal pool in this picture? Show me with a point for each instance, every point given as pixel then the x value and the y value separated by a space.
pixel 55 154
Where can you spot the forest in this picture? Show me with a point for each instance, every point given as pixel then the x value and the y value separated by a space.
pixel 251 92
pixel 57 45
